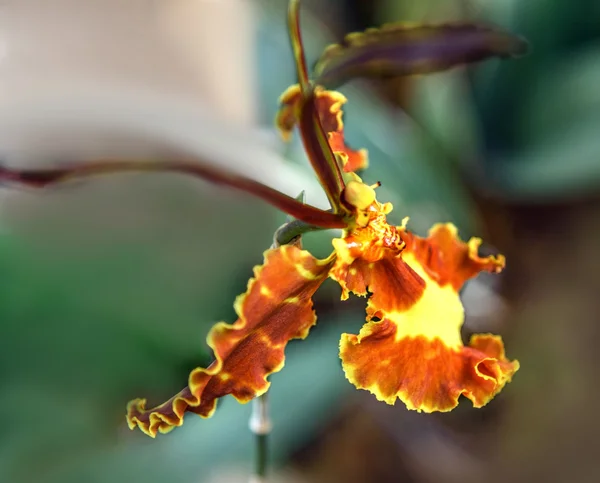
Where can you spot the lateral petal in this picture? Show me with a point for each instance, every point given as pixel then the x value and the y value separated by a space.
pixel 276 308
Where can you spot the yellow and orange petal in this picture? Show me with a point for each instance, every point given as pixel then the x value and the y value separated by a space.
pixel 411 347
pixel 424 373
pixel 446 258
pixel 276 308
pixel 329 106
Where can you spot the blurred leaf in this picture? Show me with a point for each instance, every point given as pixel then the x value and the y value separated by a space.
pixel 400 50
pixel 443 106
pixel 502 92
pixel 556 149
pixel 107 294
pixel 564 92
pixel 425 10
pixel 528 130
pixel 565 164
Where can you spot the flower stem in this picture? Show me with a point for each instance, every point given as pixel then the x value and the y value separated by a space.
pixel 260 424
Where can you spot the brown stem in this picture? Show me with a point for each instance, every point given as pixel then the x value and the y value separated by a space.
pixel 40 178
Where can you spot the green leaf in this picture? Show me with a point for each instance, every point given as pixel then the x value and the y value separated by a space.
pixel 565 165
pixel 558 131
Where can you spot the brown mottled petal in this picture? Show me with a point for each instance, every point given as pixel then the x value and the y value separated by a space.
pixel 424 373
pixel 446 258
pixel 276 308
pixel 306 111
pixel 285 119
pixel 329 106
pixel 400 50
pixel 352 277
pixel 40 178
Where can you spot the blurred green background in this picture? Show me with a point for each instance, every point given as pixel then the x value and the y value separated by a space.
pixel 96 310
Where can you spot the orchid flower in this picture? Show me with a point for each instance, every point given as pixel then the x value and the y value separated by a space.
pixel 410 348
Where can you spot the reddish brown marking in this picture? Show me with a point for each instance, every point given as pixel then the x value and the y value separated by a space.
pixel 395 287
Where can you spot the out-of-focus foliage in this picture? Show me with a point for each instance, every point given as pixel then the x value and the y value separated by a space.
pixel 543 140
pixel 524 130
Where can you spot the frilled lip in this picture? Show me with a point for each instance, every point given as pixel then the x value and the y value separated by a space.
pixel 424 373
pixel 276 308
pixel 411 348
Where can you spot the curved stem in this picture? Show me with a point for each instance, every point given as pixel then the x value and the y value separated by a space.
pixel 314 138
pixel 40 178
pixel 297 45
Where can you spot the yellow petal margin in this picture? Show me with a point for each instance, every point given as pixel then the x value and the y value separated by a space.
pixel 410 348
pixel 329 106
pixel 276 308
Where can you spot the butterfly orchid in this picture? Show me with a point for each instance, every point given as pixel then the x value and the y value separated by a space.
pixel 410 347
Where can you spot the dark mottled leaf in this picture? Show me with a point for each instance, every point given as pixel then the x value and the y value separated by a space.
pixel 399 50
